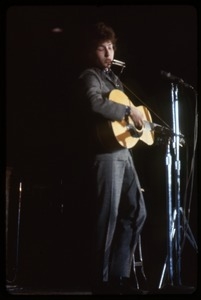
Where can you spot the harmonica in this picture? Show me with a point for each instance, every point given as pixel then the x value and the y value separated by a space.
pixel 119 63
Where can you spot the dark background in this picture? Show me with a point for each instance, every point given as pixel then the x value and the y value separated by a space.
pixel 48 233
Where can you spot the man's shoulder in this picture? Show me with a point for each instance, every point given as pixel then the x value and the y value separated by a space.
pixel 90 71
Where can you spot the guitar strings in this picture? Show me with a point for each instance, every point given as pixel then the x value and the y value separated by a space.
pixel 146 105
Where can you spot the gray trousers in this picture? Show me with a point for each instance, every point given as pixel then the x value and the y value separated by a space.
pixel 119 215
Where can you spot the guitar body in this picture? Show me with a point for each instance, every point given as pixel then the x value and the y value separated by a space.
pixel 117 134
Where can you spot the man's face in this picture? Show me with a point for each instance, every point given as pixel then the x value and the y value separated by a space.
pixel 104 54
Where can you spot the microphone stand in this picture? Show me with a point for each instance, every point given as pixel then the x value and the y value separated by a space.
pixel 174 137
pixel 177 168
pixel 173 259
pixel 171 230
pixel 11 283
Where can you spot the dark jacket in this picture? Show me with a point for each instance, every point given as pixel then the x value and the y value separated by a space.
pixel 96 110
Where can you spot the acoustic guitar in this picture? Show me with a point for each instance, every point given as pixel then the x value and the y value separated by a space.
pixel 115 135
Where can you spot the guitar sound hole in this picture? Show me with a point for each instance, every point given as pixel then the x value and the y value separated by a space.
pixel 133 131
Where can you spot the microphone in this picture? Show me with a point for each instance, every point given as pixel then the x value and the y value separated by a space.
pixel 176 79
pixel 119 63
pixel 168 132
pixel 172 77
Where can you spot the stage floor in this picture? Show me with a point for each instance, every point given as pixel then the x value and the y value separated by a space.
pixel 17 290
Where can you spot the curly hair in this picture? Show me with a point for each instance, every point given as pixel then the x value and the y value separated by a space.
pixel 101 32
